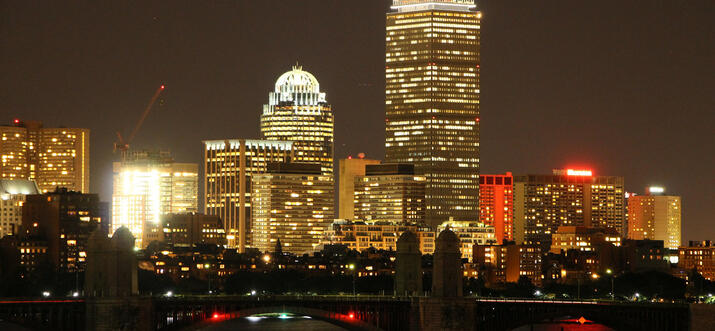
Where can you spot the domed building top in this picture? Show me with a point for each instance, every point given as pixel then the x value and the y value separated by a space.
pixel 123 238
pixel 297 81
pixel 408 243
pixel 296 88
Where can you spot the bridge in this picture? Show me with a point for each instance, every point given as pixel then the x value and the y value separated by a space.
pixel 348 312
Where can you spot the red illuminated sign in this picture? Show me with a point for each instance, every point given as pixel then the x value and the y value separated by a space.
pixel 584 173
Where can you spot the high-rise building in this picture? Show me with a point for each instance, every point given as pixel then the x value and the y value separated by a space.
pixel 297 111
pixel 147 185
pixel 229 165
pixel 60 222
pixel 569 197
pixel 191 229
pixel 348 169
pixel 12 197
pixel 655 216
pixel 291 202
pixel 432 101
pixel 496 204
pixel 391 193
pixel 52 157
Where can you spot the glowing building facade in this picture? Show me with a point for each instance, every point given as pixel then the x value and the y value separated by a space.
pixel 655 216
pixel 496 204
pixel 470 234
pixel 229 166
pixel 147 185
pixel 432 101
pixel 293 203
pixel 12 197
pixel 297 111
pixel 390 193
pixel 569 197
pixel 52 157
pixel 348 169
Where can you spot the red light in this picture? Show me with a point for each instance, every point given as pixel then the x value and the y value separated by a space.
pixel 215 316
pixel 350 157
pixel 17 121
pixel 162 87
pixel 477 66
pixel 351 316
pixel 477 119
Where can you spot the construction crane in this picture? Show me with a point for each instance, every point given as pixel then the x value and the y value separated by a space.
pixel 123 145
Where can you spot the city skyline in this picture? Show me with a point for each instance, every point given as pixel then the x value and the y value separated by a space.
pixel 585 146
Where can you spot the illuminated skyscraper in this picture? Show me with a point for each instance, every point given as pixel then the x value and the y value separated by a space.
pixel 348 169
pixel 542 203
pixel 391 193
pixel 148 185
pixel 432 101
pixel 496 204
pixel 297 111
pixel 655 216
pixel 291 202
pixel 229 166
pixel 53 157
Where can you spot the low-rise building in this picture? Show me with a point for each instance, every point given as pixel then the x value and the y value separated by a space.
pixel 699 255
pixel 470 234
pixel 583 238
pixel 192 229
pixel 379 235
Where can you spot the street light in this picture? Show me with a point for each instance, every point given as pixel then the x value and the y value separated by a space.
pixel 46 294
pixel 169 294
pixel 537 293
pixel 267 258
pixel 352 267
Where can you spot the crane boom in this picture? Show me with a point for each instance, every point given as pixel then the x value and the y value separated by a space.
pixel 123 145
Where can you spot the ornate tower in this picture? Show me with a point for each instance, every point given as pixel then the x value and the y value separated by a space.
pixel 408 266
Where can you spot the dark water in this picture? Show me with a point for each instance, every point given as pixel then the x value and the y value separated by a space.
pixel 564 327
pixel 273 323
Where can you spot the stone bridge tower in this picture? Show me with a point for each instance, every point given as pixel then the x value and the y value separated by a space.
pixel 447 273
pixel 408 266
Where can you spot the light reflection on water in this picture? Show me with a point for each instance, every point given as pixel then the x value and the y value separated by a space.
pixel 563 327
pixel 281 322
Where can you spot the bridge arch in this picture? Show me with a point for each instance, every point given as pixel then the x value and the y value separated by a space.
pixel 615 323
pixel 349 321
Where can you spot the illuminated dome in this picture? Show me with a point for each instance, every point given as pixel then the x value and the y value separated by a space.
pixel 297 81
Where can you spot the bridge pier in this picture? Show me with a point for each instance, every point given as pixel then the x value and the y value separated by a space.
pixel 129 313
pixel 702 317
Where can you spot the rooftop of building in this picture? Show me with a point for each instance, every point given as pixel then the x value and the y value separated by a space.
pixel 18 186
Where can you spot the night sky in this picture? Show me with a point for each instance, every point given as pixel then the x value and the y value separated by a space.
pixel 623 87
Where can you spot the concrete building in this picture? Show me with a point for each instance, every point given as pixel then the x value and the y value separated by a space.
pixel 348 169
pixel 496 204
pixel 12 197
pixel 432 101
pixel 390 193
pixel 191 229
pixel 470 234
pixel 655 216
pixel 292 202
pixel 378 235
pixel 56 227
pixel 569 197
pixel 699 255
pixel 297 111
pixel 147 185
pixel 52 157
pixel 583 238
pixel 228 168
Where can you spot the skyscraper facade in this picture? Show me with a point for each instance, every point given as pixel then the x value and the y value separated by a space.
pixel 432 101
pixel 293 203
pixel 147 185
pixel 53 157
pixel 229 166
pixel 348 169
pixel 569 197
pixel 390 193
pixel 297 111
pixel 496 204
pixel 12 197
pixel 655 216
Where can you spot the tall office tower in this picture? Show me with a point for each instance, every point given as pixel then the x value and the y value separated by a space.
pixel 291 202
pixel 148 185
pixel 229 166
pixel 60 222
pixel 655 216
pixel 432 101
pixel 570 197
pixel 496 204
pixel 297 111
pixel 348 169
pixel 12 196
pixel 53 157
pixel 390 193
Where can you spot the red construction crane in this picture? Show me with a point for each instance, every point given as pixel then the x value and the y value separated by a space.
pixel 123 145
